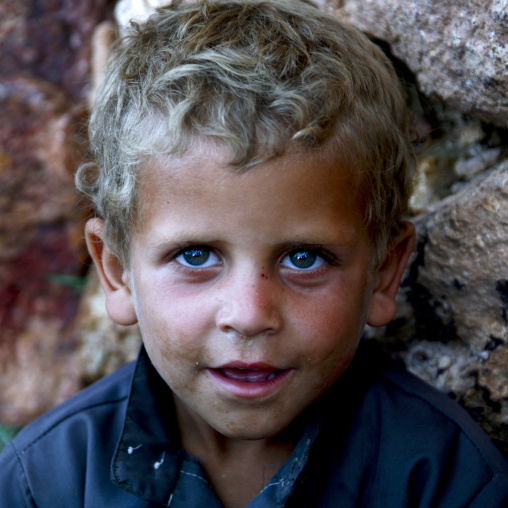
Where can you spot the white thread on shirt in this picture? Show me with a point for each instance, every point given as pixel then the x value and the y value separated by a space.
pixel 157 465
pixel 131 449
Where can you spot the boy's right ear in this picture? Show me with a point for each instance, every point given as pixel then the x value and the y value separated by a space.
pixel 112 275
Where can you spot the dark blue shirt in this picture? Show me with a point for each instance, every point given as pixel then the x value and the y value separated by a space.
pixel 378 438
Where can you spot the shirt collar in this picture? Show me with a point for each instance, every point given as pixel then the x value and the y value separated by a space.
pixel 148 457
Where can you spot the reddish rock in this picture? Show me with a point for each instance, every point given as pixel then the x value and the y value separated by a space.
pixel 49 39
pixel 41 247
pixel 44 81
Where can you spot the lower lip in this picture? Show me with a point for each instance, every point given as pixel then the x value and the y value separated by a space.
pixel 250 390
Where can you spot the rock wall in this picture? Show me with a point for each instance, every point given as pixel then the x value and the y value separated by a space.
pixel 44 84
pixel 452 325
pixel 457 49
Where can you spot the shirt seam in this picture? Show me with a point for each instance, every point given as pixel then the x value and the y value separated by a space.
pixel 25 480
pixel 59 422
pixel 495 477
pixel 464 431
pixel 195 476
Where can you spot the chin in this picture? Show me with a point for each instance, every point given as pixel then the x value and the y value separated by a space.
pixel 252 431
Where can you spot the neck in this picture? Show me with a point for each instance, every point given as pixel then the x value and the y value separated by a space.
pixel 238 469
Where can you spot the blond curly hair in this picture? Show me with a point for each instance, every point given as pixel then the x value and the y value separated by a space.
pixel 261 77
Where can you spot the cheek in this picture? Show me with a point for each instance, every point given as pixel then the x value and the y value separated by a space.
pixel 171 332
pixel 330 328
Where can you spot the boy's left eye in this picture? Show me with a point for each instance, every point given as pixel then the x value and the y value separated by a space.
pixel 197 257
pixel 304 259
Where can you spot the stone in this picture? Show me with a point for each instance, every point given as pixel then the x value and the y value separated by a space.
pixel 103 37
pixel 452 325
pixel 44 82
pixel 458 49
pixel 104 346
pixel 460 149
pixel 49 40
pixel 41 247
pixel 137 10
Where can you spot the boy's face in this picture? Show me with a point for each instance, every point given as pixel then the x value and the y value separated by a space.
pixel 251 289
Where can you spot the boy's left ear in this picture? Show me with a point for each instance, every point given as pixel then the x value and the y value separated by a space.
pixel 383 306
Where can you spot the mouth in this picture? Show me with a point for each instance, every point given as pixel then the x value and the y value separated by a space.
pixel 250 375
pixel 250 381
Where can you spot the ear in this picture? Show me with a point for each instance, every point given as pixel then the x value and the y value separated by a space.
pixel 383 306
pixel 112 275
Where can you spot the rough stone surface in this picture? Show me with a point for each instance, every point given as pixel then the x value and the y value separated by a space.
pixel 44 67
pixel 457 49
pixel 41 248
pixel 462 148
pixel 104 345
pixel 102 40
pixel 138 10
pixel 49 39
pixel 452 324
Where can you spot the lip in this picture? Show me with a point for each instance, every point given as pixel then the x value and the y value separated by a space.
pixel 249 380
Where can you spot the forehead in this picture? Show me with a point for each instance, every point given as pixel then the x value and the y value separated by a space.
pixel 163 176
pixel 300 196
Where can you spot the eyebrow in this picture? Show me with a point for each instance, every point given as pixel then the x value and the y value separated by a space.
pixel 312 240
pixel 182 240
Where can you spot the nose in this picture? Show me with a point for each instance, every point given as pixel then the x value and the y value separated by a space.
pixel 249 307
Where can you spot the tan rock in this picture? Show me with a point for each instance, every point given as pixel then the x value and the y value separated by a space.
pixel 464 262
pixel 103 38
pixel 137 10
pixel 104 345
pixel 452 324
pixel 458 49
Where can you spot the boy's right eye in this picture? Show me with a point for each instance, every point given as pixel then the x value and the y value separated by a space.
pixel 197 257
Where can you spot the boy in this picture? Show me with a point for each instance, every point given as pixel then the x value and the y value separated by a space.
pixel 253 164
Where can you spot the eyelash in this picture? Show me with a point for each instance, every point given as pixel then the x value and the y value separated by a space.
pixel 327 256
pixel 182 250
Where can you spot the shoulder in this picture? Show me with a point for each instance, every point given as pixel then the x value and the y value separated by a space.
pixel 99 398
pixel 403 443
pixel 68 446
pixel 428 415
pixel 451 460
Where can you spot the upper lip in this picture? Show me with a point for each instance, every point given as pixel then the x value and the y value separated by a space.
pixel 248 366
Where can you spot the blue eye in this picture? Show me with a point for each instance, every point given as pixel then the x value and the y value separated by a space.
pixel 197 257
pixel 304 259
